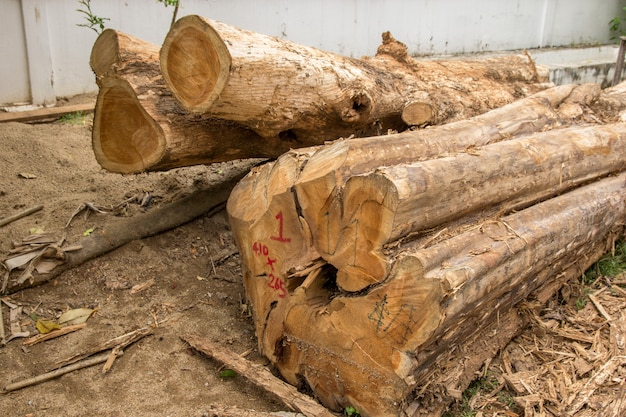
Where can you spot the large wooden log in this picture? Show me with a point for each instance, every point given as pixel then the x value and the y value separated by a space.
pixel 267 215
pixel 372 350
pixel 392 203
pixel 264 205
pixel 139 126
pixel 466 241
pixel 279 88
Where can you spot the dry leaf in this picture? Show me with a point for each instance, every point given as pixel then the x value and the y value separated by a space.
pixel 75 316
pixel 46 326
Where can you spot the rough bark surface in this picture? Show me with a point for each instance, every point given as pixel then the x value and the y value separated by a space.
pixel 373 263
pixel 279 88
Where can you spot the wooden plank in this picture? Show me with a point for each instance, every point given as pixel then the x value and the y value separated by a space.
pixel 45 113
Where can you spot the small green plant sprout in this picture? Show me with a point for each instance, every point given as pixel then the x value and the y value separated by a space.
pixel 616 26
pixel 94 22
pixel 228 373
pixel 351 411
pixel 174 3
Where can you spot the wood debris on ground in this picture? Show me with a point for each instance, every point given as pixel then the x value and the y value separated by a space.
pixel 572 362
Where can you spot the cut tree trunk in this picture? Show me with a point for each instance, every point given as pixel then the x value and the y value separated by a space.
pixel 371 263
pixel 300 93
pixel 139 126
pixel 391 203
pixel 264 200
pixel 373 350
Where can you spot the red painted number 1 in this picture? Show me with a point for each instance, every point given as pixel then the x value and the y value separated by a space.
pixel 280 237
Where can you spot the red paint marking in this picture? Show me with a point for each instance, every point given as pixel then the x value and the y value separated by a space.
pixel 270 262
pixel 280 236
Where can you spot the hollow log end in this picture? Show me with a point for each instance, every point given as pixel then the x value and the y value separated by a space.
pixel 125 138
pixel 195 63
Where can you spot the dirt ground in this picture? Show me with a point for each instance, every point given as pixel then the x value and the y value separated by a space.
pixel 52 164
pixel 192 285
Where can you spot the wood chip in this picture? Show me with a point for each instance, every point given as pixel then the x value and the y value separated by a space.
pixel 142 286
pixel 600 307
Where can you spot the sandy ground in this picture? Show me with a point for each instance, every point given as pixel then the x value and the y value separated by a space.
pixel 52 164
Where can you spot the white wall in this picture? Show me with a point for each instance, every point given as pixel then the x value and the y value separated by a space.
pixel 46 55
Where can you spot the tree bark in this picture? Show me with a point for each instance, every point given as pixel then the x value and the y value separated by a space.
pixel 139 126
pixel 377 209
pixel 279 88
pixel 459 224
pixel 373 349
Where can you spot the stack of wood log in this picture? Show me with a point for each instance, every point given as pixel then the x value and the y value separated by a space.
pixel 215 93
pixel 385 269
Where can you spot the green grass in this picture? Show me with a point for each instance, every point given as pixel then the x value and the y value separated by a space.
pixel 75 118
pixel 610 265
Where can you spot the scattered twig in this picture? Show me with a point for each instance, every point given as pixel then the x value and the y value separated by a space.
pixel 261 377
pixel 84 206
pixel 119 342
pixel 3 340
pixel 7 220
pixel 53 334
pixel 114 354
pixel 56 373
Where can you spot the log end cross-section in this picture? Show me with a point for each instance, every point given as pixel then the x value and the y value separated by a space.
pixel 195 62
pixel 119 115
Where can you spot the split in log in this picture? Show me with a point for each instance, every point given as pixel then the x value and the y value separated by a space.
pixel 295 92
pixel 139 126
pixel 469 219
pixel 373 349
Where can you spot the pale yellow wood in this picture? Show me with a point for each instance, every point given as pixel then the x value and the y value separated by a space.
pixel 139 126
pixel 392 203
pixel 296 92
pixel 417 113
